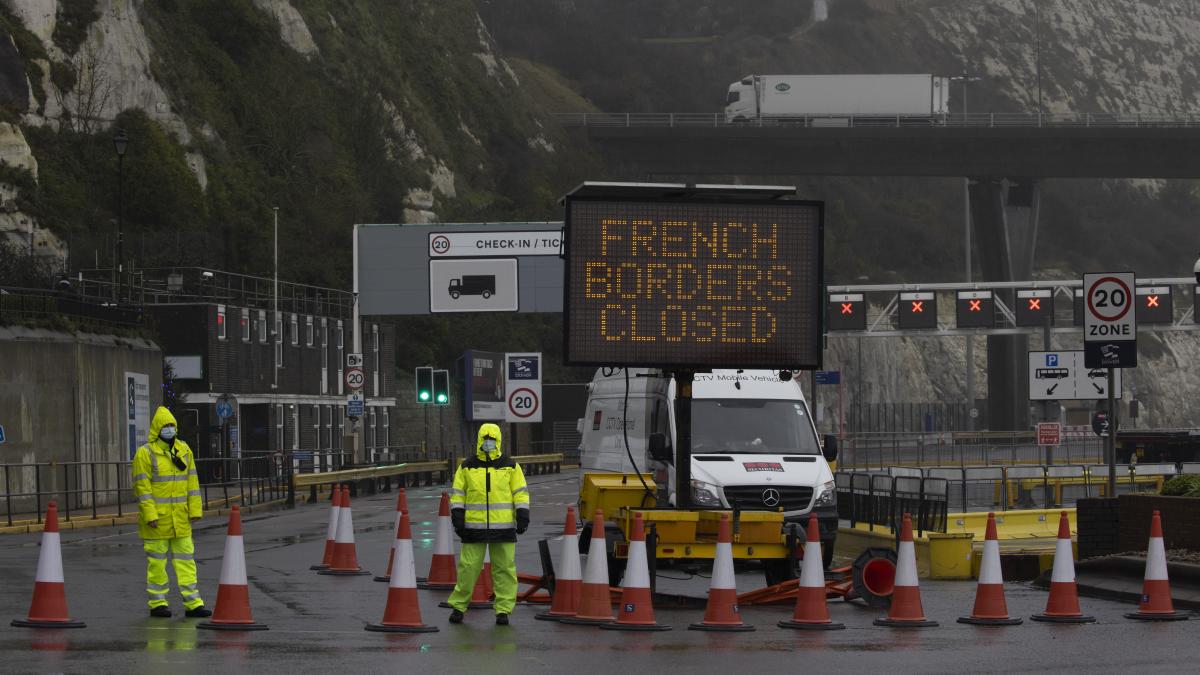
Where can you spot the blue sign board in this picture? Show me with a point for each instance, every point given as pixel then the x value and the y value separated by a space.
pixel 829 377
pixel 224 409
pixel 1 434
pixel 355 407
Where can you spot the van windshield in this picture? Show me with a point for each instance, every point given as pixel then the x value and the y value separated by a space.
pixel 752 426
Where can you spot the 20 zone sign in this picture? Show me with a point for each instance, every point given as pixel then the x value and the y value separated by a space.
pixel 1109 324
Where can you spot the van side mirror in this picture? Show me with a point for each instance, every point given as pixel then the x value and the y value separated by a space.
pixel 829 447
pixel 659 451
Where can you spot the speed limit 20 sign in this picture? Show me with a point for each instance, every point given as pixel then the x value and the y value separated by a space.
pixel 1110 321
pixel 355 379
pixel 523 387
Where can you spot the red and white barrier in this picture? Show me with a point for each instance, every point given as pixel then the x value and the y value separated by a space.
pixel 1156 604
pixel 402 614
pixel 637 603
pixel 722 614
pixel 990 607
pixel 906 610
pixel 1063 604
pixel 812 610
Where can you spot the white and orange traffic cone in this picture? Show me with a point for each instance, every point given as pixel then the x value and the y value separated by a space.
pixel 1063 604
pixel 335 508
pixel 1156 602
pixel 990 607
pixel 232 611
pixel 906 610
pixel 637 602
pixel 401 508
pixel 482 593
pixel 812 611
pixel 721 614
pixel 345 553
pixel 49 606
pixel 568 578
pixel 595 601
pixel 443 572
pixel 402 614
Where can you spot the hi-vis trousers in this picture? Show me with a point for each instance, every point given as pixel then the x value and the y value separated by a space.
pixel 183 554
pixel 504 575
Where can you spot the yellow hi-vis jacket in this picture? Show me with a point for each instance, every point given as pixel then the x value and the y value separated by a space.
pixel 165 492
pixel 489 501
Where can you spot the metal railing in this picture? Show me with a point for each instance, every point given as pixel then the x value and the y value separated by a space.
pixel 1002 488
pixel 25 304
pixel 957 120
pixel 882 500
pixel 82 489
pixel 868 451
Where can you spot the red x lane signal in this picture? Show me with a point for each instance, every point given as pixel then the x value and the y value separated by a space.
pixel 918 306
pixel 975 306
pixel 1152 301
pixel 1035 304
pixel 847 308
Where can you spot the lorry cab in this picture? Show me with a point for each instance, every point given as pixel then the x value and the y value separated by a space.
pixel 754 444
pixel 741 102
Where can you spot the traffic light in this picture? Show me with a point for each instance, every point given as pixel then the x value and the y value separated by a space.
pixel 1034 306
pixel 975 309
pixel 846 311
pixel 1154 304
pixel 424 384
pixel 441 387
pixel 917 311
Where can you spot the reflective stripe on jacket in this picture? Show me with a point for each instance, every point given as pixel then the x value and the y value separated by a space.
pixel 163 491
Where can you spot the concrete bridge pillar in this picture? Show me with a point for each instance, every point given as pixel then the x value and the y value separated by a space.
pixel 1004 217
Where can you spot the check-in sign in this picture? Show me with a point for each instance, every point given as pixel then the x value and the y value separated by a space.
pixel 494 244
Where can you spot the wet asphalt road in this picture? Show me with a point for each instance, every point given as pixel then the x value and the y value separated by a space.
pixel 316 621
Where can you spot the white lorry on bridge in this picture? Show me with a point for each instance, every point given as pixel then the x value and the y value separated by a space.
pixel 833 100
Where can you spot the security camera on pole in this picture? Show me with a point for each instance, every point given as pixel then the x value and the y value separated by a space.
pixel 1110 339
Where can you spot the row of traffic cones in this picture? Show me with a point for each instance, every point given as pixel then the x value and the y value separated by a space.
pixel 587 600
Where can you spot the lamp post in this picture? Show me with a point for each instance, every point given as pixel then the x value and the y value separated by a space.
pixel 120 143
pixel 278 324
pixel 970 346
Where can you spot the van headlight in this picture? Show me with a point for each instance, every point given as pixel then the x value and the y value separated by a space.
pixel 827 496
pixel 705 494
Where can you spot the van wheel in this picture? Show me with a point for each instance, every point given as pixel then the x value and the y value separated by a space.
pixel 487 294
pixel 454 294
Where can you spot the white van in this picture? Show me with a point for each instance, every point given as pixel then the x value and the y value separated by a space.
pixel 754 444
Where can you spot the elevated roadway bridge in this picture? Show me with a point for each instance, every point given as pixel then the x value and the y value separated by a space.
pixel 1003 156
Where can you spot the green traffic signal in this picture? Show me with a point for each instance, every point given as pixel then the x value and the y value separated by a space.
pixel 441 387
pixel 424 377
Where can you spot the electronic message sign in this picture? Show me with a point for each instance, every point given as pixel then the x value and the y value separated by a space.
pixel 846 311
pixel 975 309
pixel 1154 304
pixel 1034 307
pixel 699 284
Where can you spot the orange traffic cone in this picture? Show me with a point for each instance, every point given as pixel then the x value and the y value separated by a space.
pixel 232 611
pixel 812 612
pixel 49 606
pixel 335 507
pixel 721 613
pixel 345 554
pixel 990 607
pixel 403 612
pixel 595 602
pixel 1156 602
pixel 637 605
pixel 1063 603
pixel 401 508
pixel 906 611
pixel 567 579
pixel 442 571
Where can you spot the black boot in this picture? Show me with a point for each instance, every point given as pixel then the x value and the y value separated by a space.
pixel 160 612
pixel 198 612
pixel 501 619
pixel 456 616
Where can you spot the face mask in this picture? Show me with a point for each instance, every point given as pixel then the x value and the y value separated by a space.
pixel 489 444
pixel 167 433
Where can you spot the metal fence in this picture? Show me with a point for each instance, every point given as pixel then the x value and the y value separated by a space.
pixel 873 451
pixel 81 489
pixel 879 499
pixel 18 305
pixel 969 120
pixel 986 488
